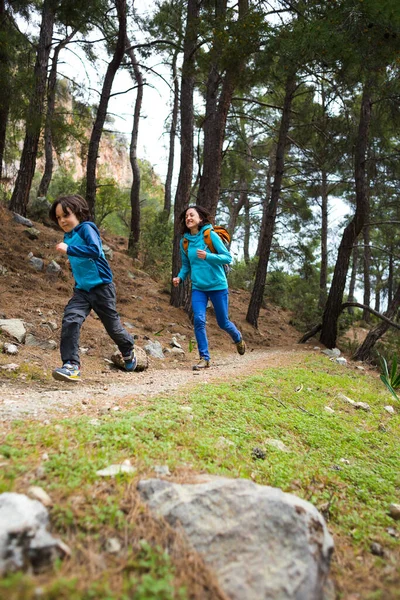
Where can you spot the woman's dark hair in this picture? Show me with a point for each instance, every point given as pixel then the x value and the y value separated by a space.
pixel 74 204
pixel 204 215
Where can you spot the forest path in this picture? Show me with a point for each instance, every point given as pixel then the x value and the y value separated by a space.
pixel 113 390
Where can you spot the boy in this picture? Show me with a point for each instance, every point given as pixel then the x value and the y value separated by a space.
pixel 93 289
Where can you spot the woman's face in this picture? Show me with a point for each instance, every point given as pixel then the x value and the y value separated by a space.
pixel 192 220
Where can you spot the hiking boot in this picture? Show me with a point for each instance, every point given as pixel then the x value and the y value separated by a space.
pixel 130 361
pixel 241 346
pixel 68 372
pixel 202 364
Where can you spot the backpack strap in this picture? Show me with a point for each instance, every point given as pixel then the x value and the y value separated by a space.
pixel 207 240
pixel 221 231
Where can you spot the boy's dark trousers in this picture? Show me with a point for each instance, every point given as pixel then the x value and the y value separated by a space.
pixel 102 299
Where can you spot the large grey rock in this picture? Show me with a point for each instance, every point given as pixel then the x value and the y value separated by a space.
pixel 142 362
pixel 32 233
pixel 36 263
pixel 108 252
pixel 12 349
pixel 22 220
pixel 261 542
pixel 32 340
pixel 335 352
pixel 24 539
pixel 15 328
pixel 154 349
pixel 53 269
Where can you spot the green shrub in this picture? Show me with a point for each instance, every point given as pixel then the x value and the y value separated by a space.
pixel 241 276
pixel 155 246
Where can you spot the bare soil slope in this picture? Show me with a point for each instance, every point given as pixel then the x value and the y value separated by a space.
pixel 39 299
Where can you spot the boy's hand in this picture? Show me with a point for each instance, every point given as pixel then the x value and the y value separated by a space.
pixel 62 247
pixel 176 281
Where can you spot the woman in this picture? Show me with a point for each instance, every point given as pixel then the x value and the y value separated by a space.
pixel 208 279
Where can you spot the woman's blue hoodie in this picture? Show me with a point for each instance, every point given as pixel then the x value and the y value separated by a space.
pixel 208 274
pixel 85 252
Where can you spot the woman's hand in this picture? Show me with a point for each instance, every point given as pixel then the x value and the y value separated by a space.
pixel 62 247
pixel 176 281
pixel 201 254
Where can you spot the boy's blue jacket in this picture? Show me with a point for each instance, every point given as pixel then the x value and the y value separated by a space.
pixel 85 252
pixel 208 274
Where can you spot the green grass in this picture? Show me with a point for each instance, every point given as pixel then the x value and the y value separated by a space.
pixel 217 436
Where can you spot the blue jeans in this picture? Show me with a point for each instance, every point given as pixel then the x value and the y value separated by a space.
pixel 219 299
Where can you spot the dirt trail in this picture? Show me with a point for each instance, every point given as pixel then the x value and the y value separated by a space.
pixel 112 389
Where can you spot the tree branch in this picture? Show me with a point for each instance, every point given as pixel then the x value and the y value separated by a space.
pixel 318 327
pixel 154 43
pixel 310 333
pixel 371 310
pixel 124 92
pixel 382 223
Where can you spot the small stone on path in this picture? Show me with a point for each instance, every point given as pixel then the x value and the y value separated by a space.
pixel 394 511
pixel 38 493
pixel 112 470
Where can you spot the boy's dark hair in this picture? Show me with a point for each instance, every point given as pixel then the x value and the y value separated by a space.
pixel 203 213
pixel 74 204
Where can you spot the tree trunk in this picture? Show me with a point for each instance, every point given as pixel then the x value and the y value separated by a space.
pixel 172 136
pixel 4 111
pixel 390 276
pixel 182 195
pixel 367 270
pixel 134 233
pixel 51 101
pixel 323 277
pixel 257 294
pixel 20 196
pixel 378 298
pixel 5 82
pixel 364 351
pixel 101 114
pixel 353 229
pixel 219 92
pixel 246 239
pixel 234 210
pixel 268 192
pixel 243 200
pixel 353 278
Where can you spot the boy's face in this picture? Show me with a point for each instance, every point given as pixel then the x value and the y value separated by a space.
pixel 67 221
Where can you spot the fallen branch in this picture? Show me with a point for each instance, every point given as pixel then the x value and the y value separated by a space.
pixel 306 411
pixel 280 401
pixel 299 407
pixel 310 333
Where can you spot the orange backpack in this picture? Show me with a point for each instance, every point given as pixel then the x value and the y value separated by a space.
pixel 221 231
pixel 223 234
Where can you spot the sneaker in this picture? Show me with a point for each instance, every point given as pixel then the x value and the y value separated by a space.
pixel 130 361
pixel 241 346
pixel 67 372
pixel 202 364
